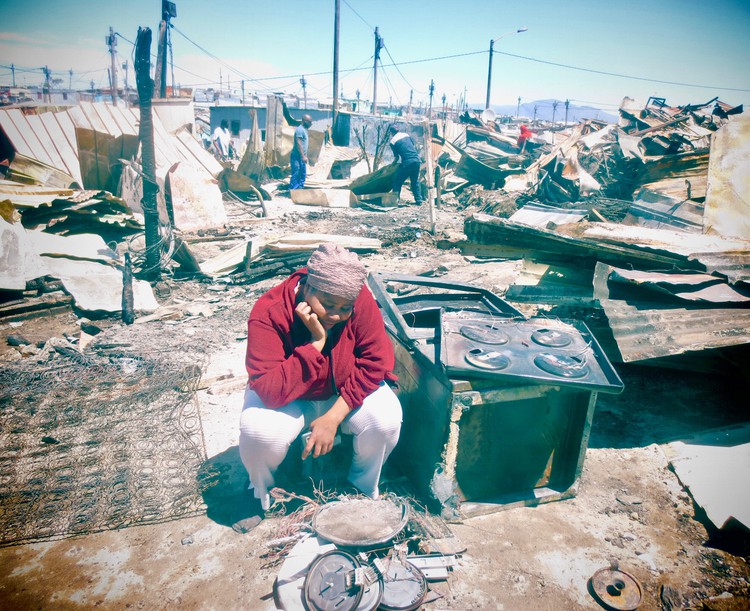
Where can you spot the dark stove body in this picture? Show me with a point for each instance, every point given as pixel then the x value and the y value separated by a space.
pixel 497 407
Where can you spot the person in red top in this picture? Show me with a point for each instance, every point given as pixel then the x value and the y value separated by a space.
pixel 525 135
pixel 318 357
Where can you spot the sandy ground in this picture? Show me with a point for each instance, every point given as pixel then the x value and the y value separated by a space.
pixel 630 508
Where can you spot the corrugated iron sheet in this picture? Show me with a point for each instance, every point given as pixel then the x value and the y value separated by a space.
pixel 52 138
pixel 646 330
pixel 540 215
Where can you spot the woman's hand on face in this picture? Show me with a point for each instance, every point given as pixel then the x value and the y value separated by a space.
pixel 309 318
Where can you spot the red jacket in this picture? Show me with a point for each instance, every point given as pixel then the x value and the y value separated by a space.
pixel 283 366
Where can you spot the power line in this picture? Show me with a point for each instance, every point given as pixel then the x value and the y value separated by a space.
pixel 627 76
pixel 222 62
pixel 358 15
pixel 399 71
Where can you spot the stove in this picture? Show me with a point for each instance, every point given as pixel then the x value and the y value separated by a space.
pixel 533 350
pixel 497 407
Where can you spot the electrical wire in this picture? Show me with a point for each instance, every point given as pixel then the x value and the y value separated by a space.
pixel 402 74
pixel 358 15
pixel 627 76
pixel 258 82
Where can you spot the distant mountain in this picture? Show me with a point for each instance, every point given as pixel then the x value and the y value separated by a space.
pixel 545 109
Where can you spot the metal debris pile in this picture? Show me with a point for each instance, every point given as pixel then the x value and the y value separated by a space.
pixel 353 552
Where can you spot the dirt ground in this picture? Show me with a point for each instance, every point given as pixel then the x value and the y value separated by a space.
pixel 630 509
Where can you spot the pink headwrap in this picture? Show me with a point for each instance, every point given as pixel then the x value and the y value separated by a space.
pixel 337 271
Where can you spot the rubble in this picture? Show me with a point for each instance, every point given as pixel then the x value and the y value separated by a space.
pixel 638 227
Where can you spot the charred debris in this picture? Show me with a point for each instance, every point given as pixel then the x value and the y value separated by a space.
pixel 644 224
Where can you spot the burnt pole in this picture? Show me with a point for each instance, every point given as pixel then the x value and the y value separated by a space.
pixel 148 159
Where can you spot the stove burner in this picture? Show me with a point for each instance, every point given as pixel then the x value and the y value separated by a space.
pixel 485 333
pixel 479 357
pixel 562 365
pixel 551 338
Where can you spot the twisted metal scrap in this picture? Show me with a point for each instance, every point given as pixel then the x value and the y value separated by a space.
pixel 90 443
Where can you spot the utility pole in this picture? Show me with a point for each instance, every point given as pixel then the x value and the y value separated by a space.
pixel 70 79
pixel 518 108
pixel 13 72
pixel 411 98
pixel 567 104
pixel 489 74
pixel 535 107
pixel 432 91
pixel 112 42
pixel 554 110
pixel 357 94
pixel 336 26
pixel 303 82
pixel 148 157
pixel 168 10
pixel 242 84
pixel 378 45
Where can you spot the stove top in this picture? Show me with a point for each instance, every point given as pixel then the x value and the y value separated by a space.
pixel 537 350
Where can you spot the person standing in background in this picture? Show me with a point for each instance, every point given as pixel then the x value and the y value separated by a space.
pixel 221 140
pixel 298 159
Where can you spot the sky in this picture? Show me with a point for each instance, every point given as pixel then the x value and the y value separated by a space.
pixel 591 52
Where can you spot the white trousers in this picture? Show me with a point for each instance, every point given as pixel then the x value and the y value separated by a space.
pixel 266 434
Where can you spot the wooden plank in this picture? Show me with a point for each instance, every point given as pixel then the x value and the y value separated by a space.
pixel 35 146
pixel 68 155
pixel 14 134
pixel 36 123
pixel 31 307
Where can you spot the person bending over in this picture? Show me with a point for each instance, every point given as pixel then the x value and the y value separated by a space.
pixel 405 150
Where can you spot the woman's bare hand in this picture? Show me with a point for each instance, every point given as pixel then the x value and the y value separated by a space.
pixel 322 434
pixel 318 333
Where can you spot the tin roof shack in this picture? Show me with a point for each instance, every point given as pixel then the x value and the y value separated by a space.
pixel 471 368
pixel 97 145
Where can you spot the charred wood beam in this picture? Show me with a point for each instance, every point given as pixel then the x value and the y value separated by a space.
pixel 148 158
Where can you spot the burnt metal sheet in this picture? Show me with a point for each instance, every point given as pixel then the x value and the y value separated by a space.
pixel 195 198
pixel 541 215
pixel 650 329
pixel 728 194
pixel 98 287
pixel 487 229
pixel 735 266
pixel 708 465
pixel 727 256
pixel 690 287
